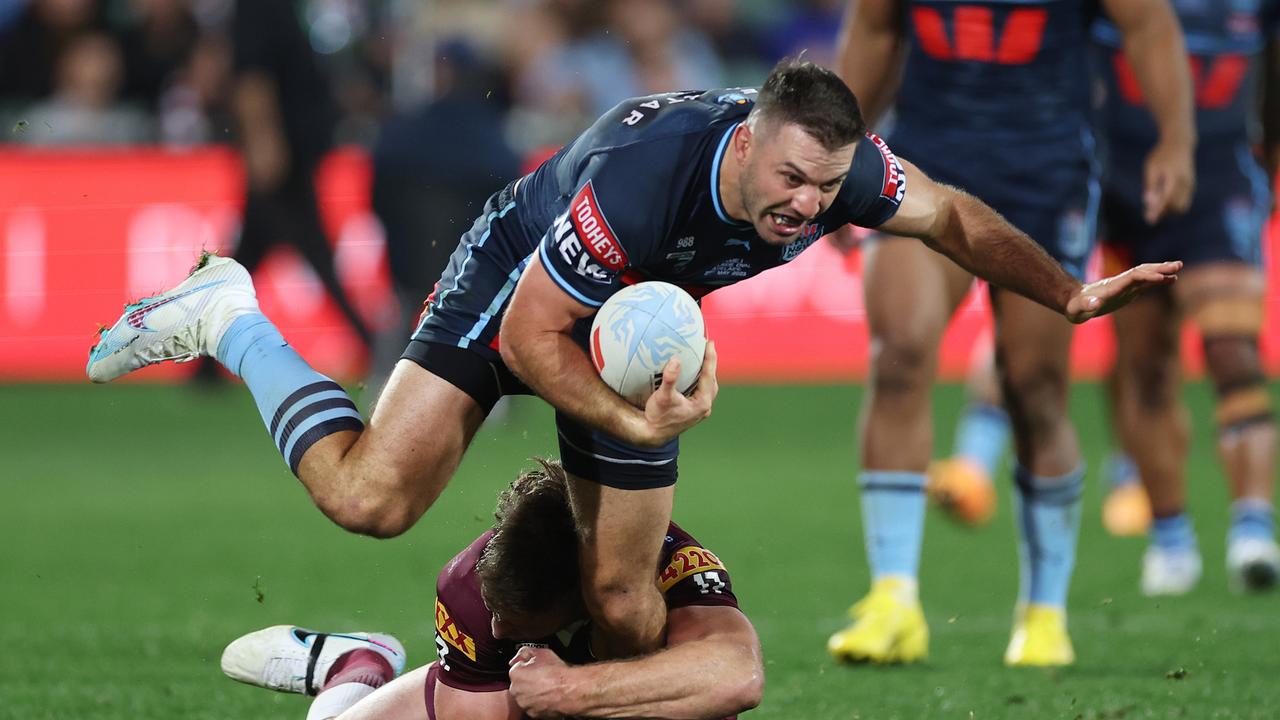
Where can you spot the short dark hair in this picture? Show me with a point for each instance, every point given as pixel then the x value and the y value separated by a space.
pixel 811 96
pixel 530 565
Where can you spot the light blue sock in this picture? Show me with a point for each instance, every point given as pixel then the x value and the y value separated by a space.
pixel 1173 532
pixel 982 435
pixel 893 506
pixel 1120 469
pixel 298 405
pixel 1252 518
pixel 1048 512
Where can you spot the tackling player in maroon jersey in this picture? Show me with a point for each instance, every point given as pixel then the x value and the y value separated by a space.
pixel 513 636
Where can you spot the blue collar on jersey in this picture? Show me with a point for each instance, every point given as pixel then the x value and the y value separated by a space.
pixel 715 179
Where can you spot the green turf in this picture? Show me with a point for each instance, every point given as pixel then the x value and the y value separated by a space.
pixel 141 528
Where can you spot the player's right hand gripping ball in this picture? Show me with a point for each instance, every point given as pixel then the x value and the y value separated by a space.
pixel 638 330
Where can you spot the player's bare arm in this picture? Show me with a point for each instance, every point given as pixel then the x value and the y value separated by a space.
pixel 1154 46
pixel 978 239
pixel 711 669
pixel 869 54
pixel 538 347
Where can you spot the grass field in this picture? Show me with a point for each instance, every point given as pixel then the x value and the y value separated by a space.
pixel 143 527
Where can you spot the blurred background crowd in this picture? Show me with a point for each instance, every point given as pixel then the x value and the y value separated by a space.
pixel 449 98
pixel 95 72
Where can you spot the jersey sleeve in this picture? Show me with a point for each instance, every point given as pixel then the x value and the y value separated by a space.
pixel 469 657
pixel 694 575
pixel 874 188
pixel 613 221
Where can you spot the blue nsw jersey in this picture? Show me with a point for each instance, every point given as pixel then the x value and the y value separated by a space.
pixel 996 68
pixel 1225 39
pixel 636 197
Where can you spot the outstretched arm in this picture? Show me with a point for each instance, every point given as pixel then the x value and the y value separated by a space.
pixel 710 669
pixel 869 54
pixel 978 239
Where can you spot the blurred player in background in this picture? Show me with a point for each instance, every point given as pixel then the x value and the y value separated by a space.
pixel 994 99
pixel 508 617
pixel 285 116
pixel 699 188
pixel 1222 290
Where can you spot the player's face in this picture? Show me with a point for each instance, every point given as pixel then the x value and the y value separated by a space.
pixel 788 179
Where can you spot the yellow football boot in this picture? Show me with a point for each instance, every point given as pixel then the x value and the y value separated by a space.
pixel 963 489
pixel 888 626
pixel 1040 639
pixel 1126 512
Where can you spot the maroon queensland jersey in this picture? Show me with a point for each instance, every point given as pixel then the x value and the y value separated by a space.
pixel 472 659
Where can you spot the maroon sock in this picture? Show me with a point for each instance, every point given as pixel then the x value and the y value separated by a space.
pixel 359 666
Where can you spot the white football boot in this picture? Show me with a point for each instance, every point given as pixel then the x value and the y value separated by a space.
pixel 181 324
pixel 1170 571
pixel 291 659
pixel 1253 564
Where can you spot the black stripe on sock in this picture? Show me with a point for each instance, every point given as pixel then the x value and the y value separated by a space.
pixel 893 487
pixel 306 412
pixel 319 432
pixel 298 395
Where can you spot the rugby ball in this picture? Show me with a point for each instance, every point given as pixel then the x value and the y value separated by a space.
pixel 638 330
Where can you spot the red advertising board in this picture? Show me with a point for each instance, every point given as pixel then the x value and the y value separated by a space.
pixel 83 232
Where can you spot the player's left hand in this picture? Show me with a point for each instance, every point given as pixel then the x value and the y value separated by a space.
pixel 1110 294
pixel 538 682
pixel 1169 179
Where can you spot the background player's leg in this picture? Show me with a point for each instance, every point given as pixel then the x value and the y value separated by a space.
pixel 1227 301
pixel 298 205
pixel 910 293
pixel 1032 346
pixel 1154 429
pixel 381 480
pixel 620 534
pixel 963 482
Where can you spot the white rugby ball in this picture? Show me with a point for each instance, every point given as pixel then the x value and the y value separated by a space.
pixel 638 330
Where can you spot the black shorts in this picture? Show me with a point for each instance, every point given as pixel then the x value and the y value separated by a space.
pixel 584 451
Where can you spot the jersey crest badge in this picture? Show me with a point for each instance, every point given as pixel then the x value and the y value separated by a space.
pixel 811 233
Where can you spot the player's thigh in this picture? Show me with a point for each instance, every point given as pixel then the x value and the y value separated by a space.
pixel 1033 343
pixel 620 532
pixel 910 293
pixel 1147 333
pixel 420 427
pixel 400 699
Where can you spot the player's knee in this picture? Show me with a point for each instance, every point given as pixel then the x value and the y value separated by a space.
pixel 1234 365
pixel 1154 385
pixel 901 365
pixel 374 517
pixel 617 601
pixel 1036 395
pixel 385 506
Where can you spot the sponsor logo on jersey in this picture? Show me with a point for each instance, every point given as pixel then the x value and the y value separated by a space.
pixel 895 181
pixel 448 630
pixel 686 561
pixel 585 240
pixel 811 233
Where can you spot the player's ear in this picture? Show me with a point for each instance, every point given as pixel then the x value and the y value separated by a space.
pixel 742 139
